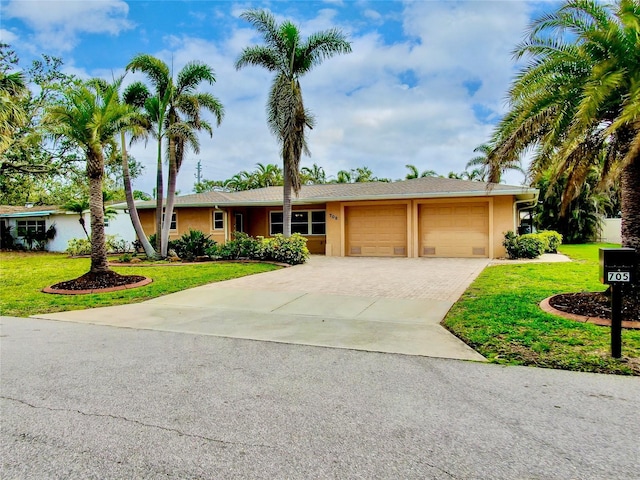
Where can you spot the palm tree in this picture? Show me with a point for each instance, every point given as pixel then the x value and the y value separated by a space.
pixel 415 173
pixel 79 207
pixel 138 96
pixel 90 117
pixel 13 91
pixel 177 116
pixel 579 98
pixel 490 168
pixel 314 175
pixel 267 175
pixel 289 57
pixel 344 176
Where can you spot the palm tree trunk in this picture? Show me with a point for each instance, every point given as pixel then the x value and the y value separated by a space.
pixel 286 204
pixel 630 199
pixel 171 194
pixel 82 224
pixel 159 198
pixel 131 204
pixel 95 172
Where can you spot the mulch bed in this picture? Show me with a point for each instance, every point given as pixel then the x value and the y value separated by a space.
pixel 98 282
pixel 590 304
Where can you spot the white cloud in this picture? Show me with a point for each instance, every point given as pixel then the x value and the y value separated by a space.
pixel 56 24
pixel 384 105
pixel 7 36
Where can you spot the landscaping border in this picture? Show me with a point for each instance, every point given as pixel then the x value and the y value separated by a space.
pixel 603 322
pixel 58 291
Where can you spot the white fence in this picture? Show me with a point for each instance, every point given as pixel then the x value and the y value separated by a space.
pixel 611 231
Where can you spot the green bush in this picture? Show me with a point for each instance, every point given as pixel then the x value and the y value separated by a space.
pixel 125 258
pixel 552 240
pixel 529 245
pixel 292 250
pixel 7 242
pixel 78 246
pixel 193 244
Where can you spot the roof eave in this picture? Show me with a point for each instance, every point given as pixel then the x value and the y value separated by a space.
pixel 520 193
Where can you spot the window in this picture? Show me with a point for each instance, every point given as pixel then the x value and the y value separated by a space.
pixel 35 226
pixel 218 220
pixel 304 222
pixel 239 222
pixel 276 223
pixel 174 220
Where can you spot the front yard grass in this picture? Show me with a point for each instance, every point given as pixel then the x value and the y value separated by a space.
pixel 24 275
pixel 499 316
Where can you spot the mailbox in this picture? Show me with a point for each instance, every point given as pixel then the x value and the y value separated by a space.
pixel 617 265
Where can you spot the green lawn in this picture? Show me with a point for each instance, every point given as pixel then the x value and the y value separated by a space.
pixel 23 275
pixel 500 318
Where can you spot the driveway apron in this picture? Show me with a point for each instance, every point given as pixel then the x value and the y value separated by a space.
pixel 392 305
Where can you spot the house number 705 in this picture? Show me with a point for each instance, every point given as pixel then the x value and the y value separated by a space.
pixel 618 277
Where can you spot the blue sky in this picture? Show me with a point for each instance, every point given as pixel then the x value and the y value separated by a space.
pixel 425 83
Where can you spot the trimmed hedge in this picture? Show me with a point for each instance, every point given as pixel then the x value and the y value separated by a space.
pixel 292 250
pixel 531 245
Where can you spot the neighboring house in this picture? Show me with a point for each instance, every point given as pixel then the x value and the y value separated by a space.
pixel 430 217
pixel 40 218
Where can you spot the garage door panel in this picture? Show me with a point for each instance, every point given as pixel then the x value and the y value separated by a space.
pixel 377 231
pixel 460 230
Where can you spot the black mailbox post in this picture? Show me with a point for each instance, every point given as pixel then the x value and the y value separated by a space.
pixel 617 267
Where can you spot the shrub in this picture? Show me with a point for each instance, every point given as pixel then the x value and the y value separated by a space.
pixel 6 239
pixel 125 258
pixel 529 245
pixel 192 244
pixel 552 240
pixel 292 250
pixel 79 246
pixel 117 245
pixel 510 243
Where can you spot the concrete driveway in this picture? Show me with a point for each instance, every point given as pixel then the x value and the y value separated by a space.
pixel 390 305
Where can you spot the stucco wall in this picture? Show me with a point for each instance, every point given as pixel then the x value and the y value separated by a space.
pixel 503 221
pixel 256 223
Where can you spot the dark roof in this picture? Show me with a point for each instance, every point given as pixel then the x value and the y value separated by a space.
pixel 428 187
pixel 24 211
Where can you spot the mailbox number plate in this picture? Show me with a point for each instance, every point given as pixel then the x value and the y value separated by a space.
pixel 618 276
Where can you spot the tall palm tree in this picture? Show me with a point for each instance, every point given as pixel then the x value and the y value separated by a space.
pixel 138 96
pixel 289 57
pixel 177 118
pixel 90 117
pixel 578 98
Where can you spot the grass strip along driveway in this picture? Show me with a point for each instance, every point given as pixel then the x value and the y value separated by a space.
pixel 499 317
pixel 24 275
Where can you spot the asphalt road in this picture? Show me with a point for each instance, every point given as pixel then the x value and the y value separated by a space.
pixel 87 401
